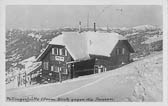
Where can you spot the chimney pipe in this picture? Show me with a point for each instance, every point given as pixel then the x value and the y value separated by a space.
pixel 79 26
pixel 94 27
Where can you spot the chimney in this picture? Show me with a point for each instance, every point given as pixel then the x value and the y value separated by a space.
pixel 79 26
pixel 94 27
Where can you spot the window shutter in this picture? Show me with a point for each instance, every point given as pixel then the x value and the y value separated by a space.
pixel 52 68
pixel 53 52
pixel 57 51
pixel 60 51
pixel 63 52
pixel 66 71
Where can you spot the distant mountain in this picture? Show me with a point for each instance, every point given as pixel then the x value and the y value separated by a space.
pixel 145 27
pixel 22 44
pixel 130 30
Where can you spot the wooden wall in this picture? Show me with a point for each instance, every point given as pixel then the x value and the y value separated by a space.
pixel 52 62
pixel 86 67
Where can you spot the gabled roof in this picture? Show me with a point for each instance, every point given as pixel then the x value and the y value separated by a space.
pixel 82 45
pixel 102 43
pixel 75 43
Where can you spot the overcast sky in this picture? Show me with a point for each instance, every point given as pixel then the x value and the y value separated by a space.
pixel 55 16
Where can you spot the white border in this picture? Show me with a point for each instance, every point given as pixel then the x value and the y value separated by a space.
pixel 3 3
pixel 165 51
pixel 84 2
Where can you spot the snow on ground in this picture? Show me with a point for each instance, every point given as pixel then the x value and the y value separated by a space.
pixel 137 81
pixel 29 65
pixel 28 60
pixel 37 36
pixel 153 39
pixel 132 34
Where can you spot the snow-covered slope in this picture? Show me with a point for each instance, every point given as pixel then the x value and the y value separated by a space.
pixel 23 44
pixel 138 81
pixel 153 39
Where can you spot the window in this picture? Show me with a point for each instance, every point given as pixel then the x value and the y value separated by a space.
pixel 64 71
pixel 120 51
pixel 53 52
pixel 45 65
pixel 56 69
pixel 59 69
pixel 117 51
pixel 52 68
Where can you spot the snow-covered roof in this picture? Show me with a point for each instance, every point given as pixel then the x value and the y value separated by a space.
pixel 81 45
pixel 75 43
pixel 30 65
pixel 102 43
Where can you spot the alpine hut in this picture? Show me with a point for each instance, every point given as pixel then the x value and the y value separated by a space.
pixel 74 54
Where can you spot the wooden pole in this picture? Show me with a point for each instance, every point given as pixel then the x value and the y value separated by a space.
pixel 25 79
pixel 30 78
pixel 19 79
pixel 60 78
pixel 73 70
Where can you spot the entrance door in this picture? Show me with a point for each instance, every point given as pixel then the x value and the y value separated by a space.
pixel 96 67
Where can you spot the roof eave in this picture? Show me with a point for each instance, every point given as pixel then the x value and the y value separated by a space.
pixel 39 58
